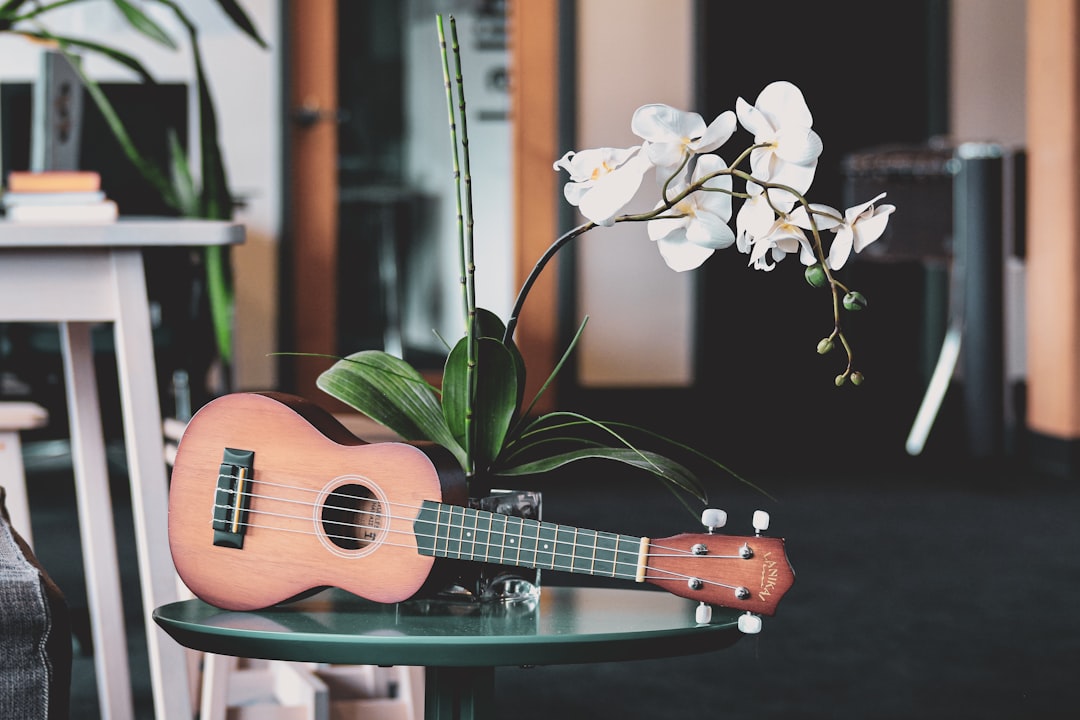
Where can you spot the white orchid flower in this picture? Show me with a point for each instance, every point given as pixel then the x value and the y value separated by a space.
pixel 701 228
pixel 863 224
pixel 781 121
pixel 783 238
pixel 673 135
pixel 603 181
pixel 756 215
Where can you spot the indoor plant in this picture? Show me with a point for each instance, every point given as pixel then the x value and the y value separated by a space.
pixel 479 413
pixel 176 184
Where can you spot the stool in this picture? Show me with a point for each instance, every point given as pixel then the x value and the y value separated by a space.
pixel 15 417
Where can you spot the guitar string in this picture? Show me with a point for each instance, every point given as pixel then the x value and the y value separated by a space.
pixel 615 562
pixel 668 574
pixel 672 551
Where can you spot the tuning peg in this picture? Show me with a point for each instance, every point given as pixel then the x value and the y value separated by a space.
pixel 749 624
pixel 713 518
pixel 761 521
pixel 703 615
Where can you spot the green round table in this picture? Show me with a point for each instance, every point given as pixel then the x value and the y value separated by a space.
pixel 459 644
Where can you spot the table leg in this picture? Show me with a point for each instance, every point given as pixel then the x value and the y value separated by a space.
pixel 459 693
pixel 96 524
pixel 149 484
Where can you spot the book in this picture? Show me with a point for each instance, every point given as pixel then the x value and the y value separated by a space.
pixel 10 199
pixel 104 211
pixel 54 181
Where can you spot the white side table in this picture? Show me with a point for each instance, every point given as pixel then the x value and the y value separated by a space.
pixel 77 276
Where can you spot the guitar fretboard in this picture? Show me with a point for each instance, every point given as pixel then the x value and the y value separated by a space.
pixel 450 531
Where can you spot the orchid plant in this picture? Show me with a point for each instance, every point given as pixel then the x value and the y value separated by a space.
pixel 478 414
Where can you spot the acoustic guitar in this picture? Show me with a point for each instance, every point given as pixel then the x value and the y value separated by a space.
pixel 271 498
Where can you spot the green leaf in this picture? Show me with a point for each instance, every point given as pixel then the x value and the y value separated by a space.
pixel 488 324
pixel 219 292
pixel 142 22
pixel 672 472
pixel 391 392
pixel 495 401
pixel 113 54
pixel 491 325
pixel 241 20
pixel 180 172
pixel 555 371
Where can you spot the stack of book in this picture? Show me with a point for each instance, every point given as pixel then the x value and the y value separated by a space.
pixel 57 196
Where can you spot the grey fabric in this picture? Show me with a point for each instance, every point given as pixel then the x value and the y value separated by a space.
pixel 35 639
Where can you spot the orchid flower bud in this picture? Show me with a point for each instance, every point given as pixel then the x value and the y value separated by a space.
pixel 824 346
pixel 854 301
pixel 815 275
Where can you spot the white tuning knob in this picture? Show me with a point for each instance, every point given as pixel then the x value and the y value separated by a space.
pixel 713 518
pixel 749 624
pixel 761 521
pixel 703 615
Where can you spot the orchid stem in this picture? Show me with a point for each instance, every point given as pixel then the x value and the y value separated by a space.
pixel 538 268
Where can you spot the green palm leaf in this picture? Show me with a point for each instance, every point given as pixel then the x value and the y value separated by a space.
pixel 672 472
pixel 391 392
pixel 142 22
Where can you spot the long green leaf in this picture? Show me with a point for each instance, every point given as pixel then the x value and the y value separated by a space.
pixel 144 24
pixel 494 405
pixel 391 392
pixel 241 20
pixel 490 325
pixel 110 52
pixel 180 172
pixel 663 467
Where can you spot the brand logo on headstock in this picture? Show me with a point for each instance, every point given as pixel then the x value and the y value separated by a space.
pixel 769 574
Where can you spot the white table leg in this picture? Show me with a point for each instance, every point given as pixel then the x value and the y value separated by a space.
pixel 96 524
pixel 149 485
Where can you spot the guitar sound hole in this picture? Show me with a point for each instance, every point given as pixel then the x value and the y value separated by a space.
pixel 352 517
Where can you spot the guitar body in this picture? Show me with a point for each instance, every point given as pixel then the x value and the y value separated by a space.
pixel 325 508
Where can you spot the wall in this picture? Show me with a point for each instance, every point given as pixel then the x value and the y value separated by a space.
pixel 987 58
pixel 641 313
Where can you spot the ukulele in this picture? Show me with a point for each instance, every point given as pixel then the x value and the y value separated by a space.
pixel 272 498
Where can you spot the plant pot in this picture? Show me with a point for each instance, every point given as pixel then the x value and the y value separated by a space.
pixel 490 581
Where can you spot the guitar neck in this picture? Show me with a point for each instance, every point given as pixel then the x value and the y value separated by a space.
pixel 450 531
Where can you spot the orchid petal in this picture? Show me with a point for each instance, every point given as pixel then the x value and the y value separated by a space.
pixel 870 229
pixel 663 123
pixel 613 191
pixel 841 247
pixel 662 227
pixel 752 119
pixel 681 255
pixel 719 132
pixel 783 104
pixel 826 217
pixel 852 213
pixel 799 145
pixel 709 230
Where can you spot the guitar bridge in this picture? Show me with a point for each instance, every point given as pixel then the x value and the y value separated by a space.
pixel 232 498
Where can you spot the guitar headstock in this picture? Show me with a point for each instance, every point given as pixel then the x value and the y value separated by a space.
pixel 750 573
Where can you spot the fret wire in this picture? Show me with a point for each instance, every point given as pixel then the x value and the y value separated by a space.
pixel 557 547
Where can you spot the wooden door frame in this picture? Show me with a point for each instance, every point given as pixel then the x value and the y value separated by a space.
pixel 312 191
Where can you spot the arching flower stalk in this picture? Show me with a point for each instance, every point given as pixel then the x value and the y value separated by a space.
pixel 479 413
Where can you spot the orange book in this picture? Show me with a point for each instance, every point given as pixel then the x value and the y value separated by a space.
pixel 54 181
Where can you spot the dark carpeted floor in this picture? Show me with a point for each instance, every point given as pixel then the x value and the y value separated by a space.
pixel 920 593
